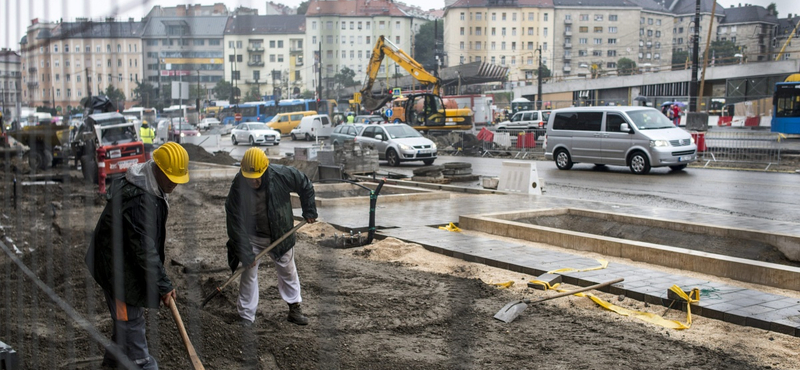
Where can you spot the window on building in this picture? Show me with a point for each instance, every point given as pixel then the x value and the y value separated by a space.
pixel 462 16
pixel 329 25
pixel 58 77
pixel 598 29
pixel 612 29
pixel 650 21
pixel 55 48
pixel 658 33
pixel 493 45
pixel 530 45
pixel 478 59
pixel 494 16
pixel 611 65
pixel 503 31
pixel 503 45
pixel 503 60
pixel 513 16
pixel 381 25
pixel 583 40
pixel 584 17
pixel 493 60
pixel 344 54
pixel 658 45
pixel 544 46
pixel 611 53
pixel 530 61
pixel 478 16
pixel 649 33
pixel 545 17
pixel 314 25
pixel 239 57
pixel 359 54
pixel 462 31
pixel 583 29
pixel 478 45
pixel 612 17
pixel 656 56
pixel 658 22
pixel 544 32
pixel 530 16
pixel 612 41
pixel 598 41
pixel 330 39
pixel 280 44
pixel 397 40
pixel 108 48
pixel 397 25
pixel 530 31
pixel 477 31
pixel 368 25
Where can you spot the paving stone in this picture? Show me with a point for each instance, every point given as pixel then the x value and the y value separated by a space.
pixel 736 316
pixel 716 311
pixel 551 279
pixel 782 302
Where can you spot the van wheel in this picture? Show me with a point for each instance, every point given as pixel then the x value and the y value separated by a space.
pixel 89 169
pixel 252 142
pixel 639 163
pixel 563 160
pixel 233 139
pixel 308 137
pixel 393 158
pixel 678 167
pixel 294 137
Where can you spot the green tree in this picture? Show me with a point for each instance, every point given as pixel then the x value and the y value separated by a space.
pixel 307 94
pixel 222 90
pixel 626 67
pixel 345 78
pixel 252 95
pixel 773 9
pixel 424 42
pixel 302 8
pixel 197 92
pixel 724 52
pixel 545 72
pixel 679 59
pixel 166 94
pixel 145 93
pixel 115 95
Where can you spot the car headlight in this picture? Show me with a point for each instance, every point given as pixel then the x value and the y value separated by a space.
pixel 658 143
pixel 433 146
pixel 692 139
pixel 198 134
pixel 183 134
pixel 405 147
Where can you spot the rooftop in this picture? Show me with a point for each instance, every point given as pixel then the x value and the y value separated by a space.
pixel 265 24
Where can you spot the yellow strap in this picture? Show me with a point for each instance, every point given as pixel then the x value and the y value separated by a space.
pixel 451 227
pixel 506 285
pixel 545 284
pixel 603 264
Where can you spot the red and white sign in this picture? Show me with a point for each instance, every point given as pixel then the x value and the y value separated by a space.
pixel 175 73
pixel 237 116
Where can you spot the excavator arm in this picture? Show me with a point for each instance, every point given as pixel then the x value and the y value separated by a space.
pixel 384 47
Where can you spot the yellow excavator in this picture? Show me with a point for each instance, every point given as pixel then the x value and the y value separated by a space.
pixel 423 111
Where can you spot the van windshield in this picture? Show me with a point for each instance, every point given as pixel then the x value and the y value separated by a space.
pixel 649 119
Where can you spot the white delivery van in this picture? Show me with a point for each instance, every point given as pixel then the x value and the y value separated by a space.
pixel 637 137
pixel 311 127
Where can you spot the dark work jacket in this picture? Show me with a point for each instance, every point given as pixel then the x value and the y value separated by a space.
pixel 126 253
pixel 280 181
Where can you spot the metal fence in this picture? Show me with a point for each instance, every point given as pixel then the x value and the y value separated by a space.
pixel 739 147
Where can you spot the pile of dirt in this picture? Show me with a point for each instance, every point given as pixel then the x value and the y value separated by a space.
pixel 389 305
pixel 199 154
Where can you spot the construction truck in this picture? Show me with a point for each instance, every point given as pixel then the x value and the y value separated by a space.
pixel 106 144
pixel 423 111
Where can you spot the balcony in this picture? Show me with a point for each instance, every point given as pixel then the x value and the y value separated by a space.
pixel 567 68
pixel 255 49
pixel 296 50
pixel 567 57
pixel 33 84
pixel 32 70
pixel 568 21
pixel 253 63
pixel 298 63
pixel 567 33
pixel 567 45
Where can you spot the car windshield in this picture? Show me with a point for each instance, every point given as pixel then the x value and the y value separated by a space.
pixel 185 127
pixel 258 126
pixel 274 119
pixel 117 135
pixel 649 119
pixel 401 131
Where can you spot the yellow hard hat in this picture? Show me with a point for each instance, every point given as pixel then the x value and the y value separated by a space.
pixel 173 160
pixel 254 163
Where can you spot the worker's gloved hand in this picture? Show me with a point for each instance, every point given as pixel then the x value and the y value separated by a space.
pixel 165 298
pixel 311 220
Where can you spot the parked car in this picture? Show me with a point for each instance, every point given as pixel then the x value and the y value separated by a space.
pixel 344 133
pixel 310 127
pixel 368 119
pixel 222 129
pixel 286 122
pixel 207 123
pixel 637 137
pixel 527 120
pixel 397 143
pixel 255 133
pixel 179 127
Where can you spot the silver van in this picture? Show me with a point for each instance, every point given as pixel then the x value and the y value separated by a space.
pixel 637 137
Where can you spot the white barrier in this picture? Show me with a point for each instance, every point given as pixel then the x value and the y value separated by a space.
pixel 519 177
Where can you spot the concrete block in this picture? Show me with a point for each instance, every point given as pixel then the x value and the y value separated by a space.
pixel 551 279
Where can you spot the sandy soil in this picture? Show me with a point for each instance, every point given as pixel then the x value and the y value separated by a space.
pixel 388 305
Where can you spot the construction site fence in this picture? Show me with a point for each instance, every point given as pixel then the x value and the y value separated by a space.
pixel 739 147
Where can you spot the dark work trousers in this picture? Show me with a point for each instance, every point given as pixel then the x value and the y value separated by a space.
pixel 128 333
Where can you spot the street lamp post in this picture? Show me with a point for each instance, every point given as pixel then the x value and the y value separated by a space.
pixel 539 81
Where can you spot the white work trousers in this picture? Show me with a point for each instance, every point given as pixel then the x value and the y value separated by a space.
pixel 288 280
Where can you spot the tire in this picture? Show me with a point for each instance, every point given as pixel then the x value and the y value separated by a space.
pixel 308 137
pixel 428 162
pixel 252 141
pixel 457 165
pixel 47 159
pixel 233 140
pixel 89 169
pixel 35 159
pixel 563 159
pixel 393 158
pixel 679 167
pixel 294 138
pixel 639 164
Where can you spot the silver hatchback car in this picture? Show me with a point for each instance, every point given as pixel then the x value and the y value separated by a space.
pixel 398 143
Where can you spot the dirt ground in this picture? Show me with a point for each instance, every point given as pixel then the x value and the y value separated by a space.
pixel 389 305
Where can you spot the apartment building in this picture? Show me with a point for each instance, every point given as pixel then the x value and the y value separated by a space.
pixel 510 33
pixel 347 31
pixel 65 62
pixel 185 48
pixel 266 54
pixel 10 81
pixel 753 29
pixel 791 48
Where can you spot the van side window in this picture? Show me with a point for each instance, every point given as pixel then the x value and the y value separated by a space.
pixel 297 117
pixel 534 116
pixel 613 121
pixel 325 120
pixel 517 117
pixel 580 121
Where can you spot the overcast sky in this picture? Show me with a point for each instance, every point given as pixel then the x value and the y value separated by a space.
pixel 17 14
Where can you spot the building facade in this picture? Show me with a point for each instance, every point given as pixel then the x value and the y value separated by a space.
pixel 264 55
pixel 10 82
pixel 65 62
pixel 786 27
pixel 187 49
pixel 753 29
pixel 346 31
pixel 509 33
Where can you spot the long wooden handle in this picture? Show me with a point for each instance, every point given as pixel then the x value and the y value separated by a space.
pixel 196 364
pixel 591 287
pixel 258 256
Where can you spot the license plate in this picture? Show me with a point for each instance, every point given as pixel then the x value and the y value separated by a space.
pixel 124 165
pixel 423 151
pixel 114 153
pixel 685 158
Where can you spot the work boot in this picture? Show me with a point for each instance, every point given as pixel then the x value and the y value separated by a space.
pixel 296 314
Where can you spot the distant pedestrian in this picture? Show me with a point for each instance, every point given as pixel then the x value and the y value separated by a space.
pixel 147 134
pixel 676 115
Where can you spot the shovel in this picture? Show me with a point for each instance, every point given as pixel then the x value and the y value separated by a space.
pixel 510 311
pixel 196 364
pixel 258 256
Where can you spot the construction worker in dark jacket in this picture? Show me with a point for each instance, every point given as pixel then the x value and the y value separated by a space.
pixel 126 253
pixel 259 210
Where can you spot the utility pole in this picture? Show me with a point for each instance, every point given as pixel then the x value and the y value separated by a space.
pixel 88 85
pixel 539 81
pixel 319 70
pixel 705 55
pixel 695 58
pixel 197 91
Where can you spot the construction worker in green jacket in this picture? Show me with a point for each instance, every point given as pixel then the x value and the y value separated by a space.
pixel 147 135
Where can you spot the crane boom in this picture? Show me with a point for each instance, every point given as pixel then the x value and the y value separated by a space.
pixel 384 47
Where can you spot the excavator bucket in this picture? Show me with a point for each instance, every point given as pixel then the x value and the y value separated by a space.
pixel 374 102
